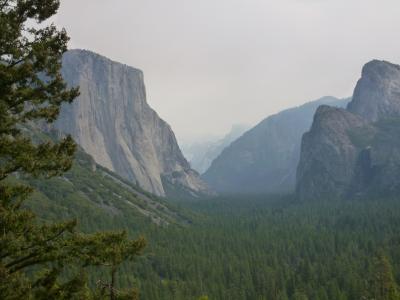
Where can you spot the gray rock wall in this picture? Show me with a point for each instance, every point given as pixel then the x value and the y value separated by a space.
pixel 112 122
pixel 355 152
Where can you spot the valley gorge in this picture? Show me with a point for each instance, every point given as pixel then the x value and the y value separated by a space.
pixel 343 154
pixel 264 159
pixel 199 150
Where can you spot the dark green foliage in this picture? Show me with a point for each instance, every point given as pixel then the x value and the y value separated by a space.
pixel 31 87
pixel 382 284
pixel 109 250
pixel 100 200
pixel 263 249
pixel 41 260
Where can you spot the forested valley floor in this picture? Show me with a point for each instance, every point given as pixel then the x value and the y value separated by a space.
pixel 262 248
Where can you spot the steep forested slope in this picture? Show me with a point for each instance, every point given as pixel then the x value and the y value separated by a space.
pixel 95 196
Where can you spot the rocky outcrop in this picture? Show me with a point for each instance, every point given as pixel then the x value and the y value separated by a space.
pixel 265 158
pixel 113 122
pixel 328 153
pixel 355 152
pixel 377 93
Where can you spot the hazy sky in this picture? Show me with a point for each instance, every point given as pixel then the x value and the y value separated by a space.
pixel 211 63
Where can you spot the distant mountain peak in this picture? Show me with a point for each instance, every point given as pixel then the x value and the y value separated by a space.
pixel 201 154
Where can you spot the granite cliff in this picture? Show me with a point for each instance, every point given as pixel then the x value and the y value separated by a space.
pixel 112 121
pixel 265 158
pixel 355 152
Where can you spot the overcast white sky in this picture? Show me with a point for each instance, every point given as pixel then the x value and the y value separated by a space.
pixel 211 63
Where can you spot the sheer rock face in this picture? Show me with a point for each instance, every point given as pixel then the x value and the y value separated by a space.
pixel 355 152
pixel 112 122
pixel 328 154
pixel 265 158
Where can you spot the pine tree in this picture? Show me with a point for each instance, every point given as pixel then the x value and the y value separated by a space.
pixel 382 283
pixel 34 256
pixel 120 249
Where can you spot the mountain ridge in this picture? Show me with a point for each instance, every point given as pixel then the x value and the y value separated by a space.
pixel 264 159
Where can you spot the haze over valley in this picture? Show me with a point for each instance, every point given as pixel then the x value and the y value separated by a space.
pixel 211 64
pixel 198 150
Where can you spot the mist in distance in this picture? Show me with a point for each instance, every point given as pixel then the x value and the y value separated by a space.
pixel 210 64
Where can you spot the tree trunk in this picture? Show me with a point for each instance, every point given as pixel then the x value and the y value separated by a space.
pixel 112 285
